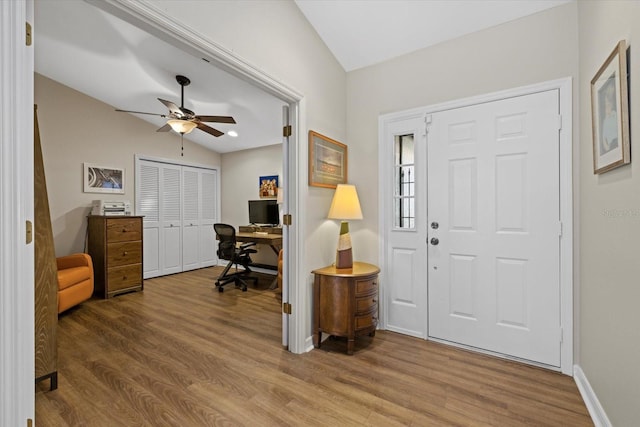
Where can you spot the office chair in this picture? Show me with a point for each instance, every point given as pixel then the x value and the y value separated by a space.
pixel 230 251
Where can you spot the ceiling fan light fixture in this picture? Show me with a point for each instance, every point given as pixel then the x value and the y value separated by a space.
pixel 182 126
pixel 232 133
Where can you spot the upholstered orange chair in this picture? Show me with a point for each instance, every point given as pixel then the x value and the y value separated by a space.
pixel 75 280
pixel 280 269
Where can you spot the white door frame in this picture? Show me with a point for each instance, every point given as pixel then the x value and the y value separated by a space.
pixel 566 194
pixel 17 398
pixel 155 21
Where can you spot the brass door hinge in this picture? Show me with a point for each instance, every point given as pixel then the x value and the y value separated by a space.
pixel 286 219
pixel 286 130
pixel 286 308
pixel 29 34
pixel 29 422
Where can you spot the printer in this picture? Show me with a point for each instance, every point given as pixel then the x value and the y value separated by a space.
pixel 103 207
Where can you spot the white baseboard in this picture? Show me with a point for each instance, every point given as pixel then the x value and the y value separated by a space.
pixel 598 416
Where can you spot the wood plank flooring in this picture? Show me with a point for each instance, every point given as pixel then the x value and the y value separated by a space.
pixel 182 354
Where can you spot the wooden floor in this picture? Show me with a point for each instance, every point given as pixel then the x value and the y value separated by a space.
pixel 182 354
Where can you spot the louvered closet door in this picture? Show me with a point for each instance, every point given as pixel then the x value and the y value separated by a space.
pixel 171 212
pixel 208 216
pixel 190 218
pixel 148 205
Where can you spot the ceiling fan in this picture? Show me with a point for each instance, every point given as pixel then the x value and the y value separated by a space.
pixel 183 120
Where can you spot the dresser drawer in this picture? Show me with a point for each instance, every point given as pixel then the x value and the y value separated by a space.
pixel 366 304
pixel 124 229
pixel 366 286
pixel 369 320
pixel 124 277
pixel 124 253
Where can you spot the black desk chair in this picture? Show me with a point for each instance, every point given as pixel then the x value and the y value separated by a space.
pixel 230 251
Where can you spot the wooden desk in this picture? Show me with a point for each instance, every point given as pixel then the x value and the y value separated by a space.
pixel 273 240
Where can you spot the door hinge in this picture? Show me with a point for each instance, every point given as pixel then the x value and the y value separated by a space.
pixel 286 130
pixel 286 308
pixel 29 422
pixel 29 230
pixel 28 39
pixel 560 229
pixel 559 121
pixel 286 219
pixel 561 336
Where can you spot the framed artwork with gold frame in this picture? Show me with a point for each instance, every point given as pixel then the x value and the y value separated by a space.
pixel 327 161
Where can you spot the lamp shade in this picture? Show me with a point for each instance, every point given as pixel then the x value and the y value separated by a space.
pixel 345 203
pixel 182 126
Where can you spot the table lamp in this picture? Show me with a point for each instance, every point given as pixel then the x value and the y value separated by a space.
pixel 345 205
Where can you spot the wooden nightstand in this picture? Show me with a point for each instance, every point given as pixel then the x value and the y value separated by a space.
pixel 345 302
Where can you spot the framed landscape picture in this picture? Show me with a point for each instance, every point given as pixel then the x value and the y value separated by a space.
pixel 103 179
pixel 610 112
pixel 327 161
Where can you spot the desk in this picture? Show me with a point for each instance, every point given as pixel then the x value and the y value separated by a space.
pixel 273 240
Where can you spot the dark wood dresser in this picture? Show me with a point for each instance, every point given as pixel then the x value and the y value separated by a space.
pixel 345 302
pixel 115 246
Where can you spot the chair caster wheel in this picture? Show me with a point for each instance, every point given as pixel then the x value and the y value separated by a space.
pixel 244 289
pixel 220 289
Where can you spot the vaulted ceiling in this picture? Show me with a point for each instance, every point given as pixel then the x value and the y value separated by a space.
pixel 108 59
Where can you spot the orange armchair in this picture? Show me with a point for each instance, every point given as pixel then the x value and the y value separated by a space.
pixel 75 280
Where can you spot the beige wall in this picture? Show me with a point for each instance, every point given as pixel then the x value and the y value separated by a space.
pixel 240 173
pixel 534 49
pixel 610 226
pixel 74 129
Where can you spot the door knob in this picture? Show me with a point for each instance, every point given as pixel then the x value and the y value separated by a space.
pixel 434 241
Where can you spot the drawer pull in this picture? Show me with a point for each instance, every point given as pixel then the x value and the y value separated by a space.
pixel 124 230
pixel 374 301
pixel 125 253
pixel 374 283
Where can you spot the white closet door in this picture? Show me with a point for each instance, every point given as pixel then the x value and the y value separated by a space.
pixel 190 218
pixel 208 216
pixel 171 208
pixel 148 205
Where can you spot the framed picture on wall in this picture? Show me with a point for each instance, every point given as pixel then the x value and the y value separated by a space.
pixel 327 161
pixel 610 112
pixel 103 179
pixel 268 186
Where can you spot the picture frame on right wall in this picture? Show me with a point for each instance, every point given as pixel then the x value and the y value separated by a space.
pixel 327 161
pixel 610 112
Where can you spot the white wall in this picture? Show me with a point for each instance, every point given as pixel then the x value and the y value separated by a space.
pixel 240 173
pixel 74 129
pixel 610 226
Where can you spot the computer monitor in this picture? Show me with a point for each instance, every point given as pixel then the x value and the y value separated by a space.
pixel 264 212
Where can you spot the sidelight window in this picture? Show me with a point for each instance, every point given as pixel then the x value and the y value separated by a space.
pixel 404 181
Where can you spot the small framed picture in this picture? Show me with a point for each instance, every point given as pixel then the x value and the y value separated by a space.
pixel 268 187
pixel 610 112
pixel 103 179
pixel 327 161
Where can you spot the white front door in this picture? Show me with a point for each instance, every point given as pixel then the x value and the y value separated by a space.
pixel 494 227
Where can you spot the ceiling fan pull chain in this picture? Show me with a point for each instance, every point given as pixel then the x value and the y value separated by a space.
pixel 182 144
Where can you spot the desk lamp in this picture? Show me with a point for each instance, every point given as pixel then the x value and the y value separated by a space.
pixel 345 205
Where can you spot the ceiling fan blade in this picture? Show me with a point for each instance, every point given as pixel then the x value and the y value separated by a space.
pixel 217 119
pixel 173 108
pixel 209 130
pixel 140 112
pixel 165 128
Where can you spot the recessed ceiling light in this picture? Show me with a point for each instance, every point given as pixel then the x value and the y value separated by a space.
pixel 232 133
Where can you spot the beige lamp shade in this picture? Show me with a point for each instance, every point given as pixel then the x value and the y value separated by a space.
pixel 181 126
pixel 345 203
